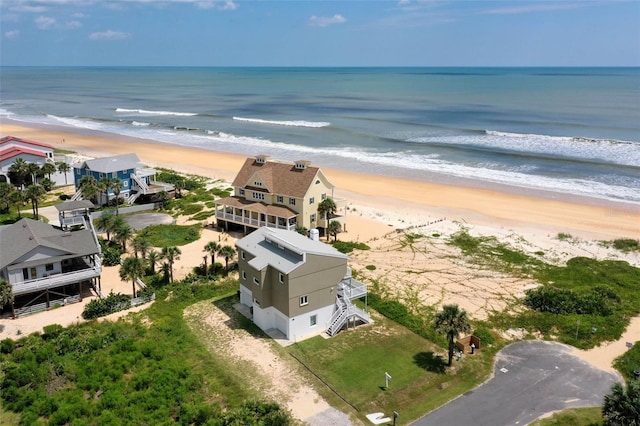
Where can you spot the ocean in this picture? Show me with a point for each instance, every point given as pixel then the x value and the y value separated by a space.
pixel 561 132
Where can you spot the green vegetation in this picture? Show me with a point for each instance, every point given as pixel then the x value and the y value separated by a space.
pixel 146 369
pixel 625 245
pixel 110 304
pixel 170 235
pixel 370 267
pixel 629 362
pixel 588 416
pixel 582 303
pixel 353 365
pixel 349 246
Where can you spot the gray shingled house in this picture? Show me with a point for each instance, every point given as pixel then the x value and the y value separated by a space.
pixel 296 285
pixel 47 266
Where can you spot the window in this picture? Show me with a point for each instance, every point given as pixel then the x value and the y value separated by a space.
pixel 318 182
pixel 244 275
pixel 257 183
pixel 304 300
pixel 280 199
pixel 258 196
pixel 313 320
pixel 313 218
pixel 292 201
pixel 312 200
pixel 242 254
pixel 256 301
pixel 256 281
pixel 324 196
pixel 49 267
pixel 125 183
pixel 280 277
pixel 242 192
pixel 25 274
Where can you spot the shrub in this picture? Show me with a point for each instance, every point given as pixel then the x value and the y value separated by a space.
pixel 485 336
pixel 349 246
pixel 110 304
pixel 7 346
pixel 371 267
pixel 52 331
pixel 626 244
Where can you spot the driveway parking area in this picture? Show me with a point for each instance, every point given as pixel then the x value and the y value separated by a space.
pixel 531 378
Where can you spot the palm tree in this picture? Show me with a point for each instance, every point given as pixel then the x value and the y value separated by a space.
pixel 227 252
pixel 621 407
pixel 17 198
pixel 153 258
pixel 34 193
pixel 6 294
pixel 88 185
pixel 117 186
pixel 212 248
pixel 163 196
pixel 33 169
pixel 334 229
pixel 64 168
pixel 327 208
pixel 18 172
pixel 105 222
pixel 123 233
pixel 141 245
pixel 48 168
pixel 179 185
pixel 132 268
pixel 452 321
pixel 106 184
pixel 171 254
pixel 5 192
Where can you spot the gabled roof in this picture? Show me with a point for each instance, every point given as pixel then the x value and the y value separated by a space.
pixel 74 205
pixel 283 250
pixel 26 235
pixel 111 164
pixel 15 151
pixel 278 177
pixel 7 139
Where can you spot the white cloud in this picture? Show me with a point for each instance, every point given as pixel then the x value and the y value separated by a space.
pixel 210 4
pixel 109 35
pixel 12 34
pixel 45 22
pixel 325 21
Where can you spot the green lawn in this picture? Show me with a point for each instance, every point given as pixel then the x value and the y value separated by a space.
pixel 589 416
pixel 354 363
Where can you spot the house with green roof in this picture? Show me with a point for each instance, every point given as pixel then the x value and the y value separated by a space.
pixel 47 266
pixel 295 287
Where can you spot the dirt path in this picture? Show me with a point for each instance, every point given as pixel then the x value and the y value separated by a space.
pixel 267 372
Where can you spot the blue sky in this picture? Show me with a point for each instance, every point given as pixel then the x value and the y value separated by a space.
pixel 320 33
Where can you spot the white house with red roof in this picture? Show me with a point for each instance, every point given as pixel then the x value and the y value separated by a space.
pixel 12 148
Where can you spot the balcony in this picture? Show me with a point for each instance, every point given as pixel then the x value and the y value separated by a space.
pixel 56 280
pixel 255 223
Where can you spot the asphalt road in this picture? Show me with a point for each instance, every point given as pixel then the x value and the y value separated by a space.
pixel 531 378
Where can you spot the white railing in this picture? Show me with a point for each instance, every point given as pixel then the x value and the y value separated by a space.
pixel 133 197
pixel 56 280
pixel 141 183
pixel 253 222
pixel 352 289
pixel 77 196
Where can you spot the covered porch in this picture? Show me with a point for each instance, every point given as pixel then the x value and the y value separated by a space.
pixel 253 214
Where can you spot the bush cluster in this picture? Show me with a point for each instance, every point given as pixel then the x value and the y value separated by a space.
pixel 349 246
pixel 114 302
pixel 596 301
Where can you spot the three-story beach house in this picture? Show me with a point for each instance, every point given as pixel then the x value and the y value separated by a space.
pixel 278 194
pixel 46 265
pixel 135 179
pixel 297 286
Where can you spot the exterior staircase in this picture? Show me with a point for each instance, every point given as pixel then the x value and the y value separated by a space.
pixel 348 290
pixel 141 183
pixel 77 196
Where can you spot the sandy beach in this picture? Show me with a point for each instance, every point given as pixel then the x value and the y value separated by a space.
pixel 380 207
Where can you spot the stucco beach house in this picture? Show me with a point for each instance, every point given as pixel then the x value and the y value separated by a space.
pixel 12 148
pixel 297 286
pixel 47 266
pixel 136 179
pixel 277 194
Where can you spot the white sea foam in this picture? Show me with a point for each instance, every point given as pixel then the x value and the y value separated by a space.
pixel 620 152
pixel 5 112
pixel 148 112
pixel 295 123
pixel 77 122
pixel 140 123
